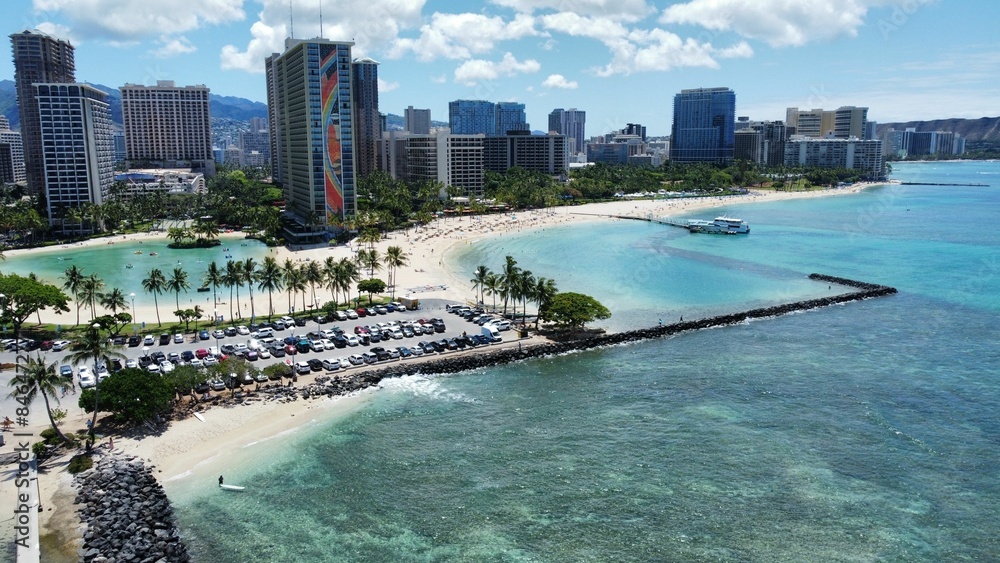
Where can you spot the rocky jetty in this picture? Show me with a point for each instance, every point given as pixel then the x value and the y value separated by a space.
pixel 127 515
pixel 453 362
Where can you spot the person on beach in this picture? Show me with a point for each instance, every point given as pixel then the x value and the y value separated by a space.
pixel 220 480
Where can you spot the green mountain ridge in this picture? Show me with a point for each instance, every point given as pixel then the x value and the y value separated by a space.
pixel 984 129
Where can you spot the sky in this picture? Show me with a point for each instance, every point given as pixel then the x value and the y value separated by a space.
pixel 620 60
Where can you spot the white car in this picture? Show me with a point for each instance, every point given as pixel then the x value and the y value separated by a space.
pixel 153 368
pixel 166 366
pixel 210 361
pixel 352 340
pixel 352 314
pixel 356 359
pixel 87 378
pixel 178 338
pixel 131 363
pixel 218 333
pixel 263 353
pixel 242 330
pixel 60 345
pixel 213 351
pixel 148 340
pixel 196 363
pixel 331 364
pixel 344 363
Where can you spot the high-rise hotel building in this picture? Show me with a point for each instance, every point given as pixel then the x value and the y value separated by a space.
pixel 77 156
pixel 38 58
pixel 367 121
pixel 703 127
pixel 309 105
pixel 167 125
pixel 573 124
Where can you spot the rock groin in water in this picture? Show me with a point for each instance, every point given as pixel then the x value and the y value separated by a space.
pixel 126 513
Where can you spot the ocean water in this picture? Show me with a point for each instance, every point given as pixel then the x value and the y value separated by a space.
pixel 111 261
pixel 862 432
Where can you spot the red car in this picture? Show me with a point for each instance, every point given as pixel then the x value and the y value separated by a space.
pixel 290 349
pixel 361 311
pixel 201 353
pixel 360 330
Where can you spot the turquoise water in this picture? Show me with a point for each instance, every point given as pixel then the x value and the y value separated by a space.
pixel 861 432
pixel 111 261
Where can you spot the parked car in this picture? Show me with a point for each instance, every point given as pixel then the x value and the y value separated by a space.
pixel 264 353
pixel 87 378
pixel 187 355
pixel 201 353
pixel 251 355
pixel 134 340
pixel 278 325
pixel 148 340
pixel 166 366
pixel 66 371
pixel 217 385
pixel 203 335
pixel 210 361
pixel 356 359
pixel 229 331
pixel 361 312
pixel 352 314
pixel 164 339
pixel 218 333
pixel 178 338
pixel 302 368
pixel 340 315
pixel 416 350
pixel 60 345
pixel 404 352
pixel 242 330
pixel 369 357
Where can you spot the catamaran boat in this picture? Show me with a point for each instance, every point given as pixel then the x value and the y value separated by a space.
pixel 721 226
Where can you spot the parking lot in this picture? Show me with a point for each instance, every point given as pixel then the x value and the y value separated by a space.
pixel 299 343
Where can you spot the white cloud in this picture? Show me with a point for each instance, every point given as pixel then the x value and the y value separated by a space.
pixel 442 79
pixel 129 20
pixel 60 31
pixel 603 29
pixel 623 10
pixel 474 71
pixel 371 24
pixel 386 86
pixel 173 47
pixel 780 23
pixel 559 81
pixel 459 36
pixel 741 50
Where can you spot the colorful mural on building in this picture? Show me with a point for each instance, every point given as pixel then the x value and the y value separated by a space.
pixel 332 159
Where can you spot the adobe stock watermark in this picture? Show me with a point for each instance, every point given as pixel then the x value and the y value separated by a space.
pixel 25 508
pixel 902 11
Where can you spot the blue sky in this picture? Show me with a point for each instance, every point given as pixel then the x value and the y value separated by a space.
pixel 620 60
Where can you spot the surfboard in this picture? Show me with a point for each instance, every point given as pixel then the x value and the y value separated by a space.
pixel 232 487
pixel 199 417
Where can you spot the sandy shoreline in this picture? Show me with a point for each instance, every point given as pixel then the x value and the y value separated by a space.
pixel 189 444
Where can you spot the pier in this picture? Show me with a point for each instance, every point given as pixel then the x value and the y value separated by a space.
pixel 942 184
pixel 648 219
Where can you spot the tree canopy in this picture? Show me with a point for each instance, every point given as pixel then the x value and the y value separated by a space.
pixel 133 395
pixel 23 297
pixel 574 310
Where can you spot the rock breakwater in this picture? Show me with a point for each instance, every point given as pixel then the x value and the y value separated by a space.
pixel 453 362
pixel 127 514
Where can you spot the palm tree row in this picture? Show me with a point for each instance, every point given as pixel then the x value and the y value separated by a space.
pixel 88 290
pixel 514 285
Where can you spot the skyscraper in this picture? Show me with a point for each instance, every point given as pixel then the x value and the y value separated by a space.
pixel 418 121
pixel 309 106
pixel 842 123
pixel 77 147
pixel 168 125
pixel 38 58
pixel 367 122
pixel 510 117
pixel 472 117
pixel 573 124
pixel 11 154
pixel 703 125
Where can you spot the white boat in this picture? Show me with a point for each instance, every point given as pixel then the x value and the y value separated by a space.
pixel 721 225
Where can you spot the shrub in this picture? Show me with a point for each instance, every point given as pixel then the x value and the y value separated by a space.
pixel 40 449
pixel 79 463
pixel 49 435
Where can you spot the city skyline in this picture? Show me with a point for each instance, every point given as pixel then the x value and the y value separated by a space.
pixel 613 60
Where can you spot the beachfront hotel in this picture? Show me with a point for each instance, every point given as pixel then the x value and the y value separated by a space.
pixel 854 154
pixel 842 123
pixel 703 127
pixel 76 132
pixel 38 58
pixel 310 107
pixel 11 154
pixel 167 126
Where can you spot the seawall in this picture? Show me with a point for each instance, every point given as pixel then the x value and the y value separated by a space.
pixel 326 385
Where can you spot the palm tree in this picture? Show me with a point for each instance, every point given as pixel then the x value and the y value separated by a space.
pixel 508 280
pixel 114 300
pixel 479 280
pixel 370 258
pixel 249 271
pixel 177 283
pixel 491 286
pixel 330 277
pixel 233 278
pixel 394 258
pixel 73 282
pixel 214 277
pixel 295 281
pixel 314 276
pixel 92 345
pixel 155 284
pixel 288 270
pixel 270 279
pixel 34 378
pixel 545 290
pixel 90 291
pixel 525 288
pixel 347 275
